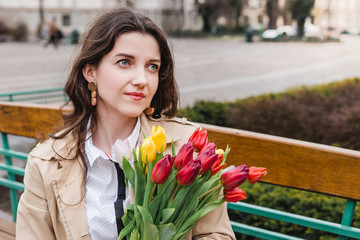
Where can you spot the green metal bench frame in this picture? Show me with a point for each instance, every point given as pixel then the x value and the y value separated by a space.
pixel 35 96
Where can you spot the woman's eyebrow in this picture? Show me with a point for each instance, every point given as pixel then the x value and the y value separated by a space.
pixel 155 60
pixel 124 55
pixel 133 57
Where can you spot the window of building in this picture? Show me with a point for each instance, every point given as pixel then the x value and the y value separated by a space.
pixel 66 20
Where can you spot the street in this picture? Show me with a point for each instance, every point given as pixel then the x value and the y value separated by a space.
pixel 215 69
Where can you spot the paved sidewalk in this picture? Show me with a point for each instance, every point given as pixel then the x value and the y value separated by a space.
pixel 215 69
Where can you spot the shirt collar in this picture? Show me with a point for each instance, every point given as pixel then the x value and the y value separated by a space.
pixel 94 153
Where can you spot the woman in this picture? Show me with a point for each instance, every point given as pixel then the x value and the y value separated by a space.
pixel 125 68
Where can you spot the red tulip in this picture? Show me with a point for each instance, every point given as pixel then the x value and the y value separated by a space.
pixel 235 177
pixel 172 160
pixel 162 170
pixel 209 145
pixel 198 139
pixel 188 173
pixel 217 166
pixel 256 173
pixel 184 156
pixel 234 195
pixel 207 159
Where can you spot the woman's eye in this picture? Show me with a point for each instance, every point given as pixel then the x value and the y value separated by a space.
pixel 123 62
pixel 153 67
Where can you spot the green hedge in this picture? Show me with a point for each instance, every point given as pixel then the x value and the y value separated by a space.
pixel 327 114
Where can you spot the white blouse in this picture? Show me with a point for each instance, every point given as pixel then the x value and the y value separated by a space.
pixel 101 189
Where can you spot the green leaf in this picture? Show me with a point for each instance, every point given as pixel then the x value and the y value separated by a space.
pixel 129 215
pixel 135 234
pixel 199 214
pixel 166 214
pixel 134 155
pixel 150 232
pixel 129 171
pixel 146 216
pixel 164 192
pixel 154 206
pixel 127 229
pixel 167 231
pixel 149 183
pixel 208 184
pixel 182 235
pixel 139 186
pixel 185 194
pixel 173 148
pixel 143 134
pixel 165 185
pixel 139 162
pixel 225 154
pixel 188 210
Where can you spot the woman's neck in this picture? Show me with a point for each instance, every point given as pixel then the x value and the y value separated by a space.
pixel 110 129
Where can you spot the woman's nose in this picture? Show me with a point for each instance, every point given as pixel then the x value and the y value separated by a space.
pixel 140 77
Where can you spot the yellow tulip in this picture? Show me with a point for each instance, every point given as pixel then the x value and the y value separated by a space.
pixel 148 150
pixel 159 138
pixel 219 151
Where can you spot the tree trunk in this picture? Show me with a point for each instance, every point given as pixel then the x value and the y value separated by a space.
pixel 272 9
pixel 41 11
pixel 301 24
pixel 206 23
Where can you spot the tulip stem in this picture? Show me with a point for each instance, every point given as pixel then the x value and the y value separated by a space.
pixel 152 193
pixel 174 192
pixel 209 191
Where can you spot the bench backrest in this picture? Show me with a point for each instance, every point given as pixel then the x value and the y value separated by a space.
pixel 291 163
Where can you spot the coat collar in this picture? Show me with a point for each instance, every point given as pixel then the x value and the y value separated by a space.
pixel 148 122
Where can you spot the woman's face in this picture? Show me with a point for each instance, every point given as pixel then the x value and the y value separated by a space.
pixel 128 76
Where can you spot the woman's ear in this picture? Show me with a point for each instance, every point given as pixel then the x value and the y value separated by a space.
pixel 89 72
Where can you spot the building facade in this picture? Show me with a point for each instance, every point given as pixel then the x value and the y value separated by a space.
pixel 171 15
pixel 338 15
pixel 73 15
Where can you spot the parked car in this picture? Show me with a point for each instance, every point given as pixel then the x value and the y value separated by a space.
pixel 270 34
pixel 281 31
pixel 287 30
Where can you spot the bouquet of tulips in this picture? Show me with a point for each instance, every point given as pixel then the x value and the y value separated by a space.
pixel 172 192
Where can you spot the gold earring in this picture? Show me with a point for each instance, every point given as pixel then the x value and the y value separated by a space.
pixel 93 87
pixel 149 111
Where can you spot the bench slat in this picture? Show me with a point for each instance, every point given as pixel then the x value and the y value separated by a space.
pixel 7 230
pixel 292 163
pixel 29 120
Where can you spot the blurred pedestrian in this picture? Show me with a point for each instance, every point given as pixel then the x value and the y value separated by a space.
pixel 55 34
pixel 44 33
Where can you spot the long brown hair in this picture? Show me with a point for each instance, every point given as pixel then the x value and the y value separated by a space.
pixel 99 40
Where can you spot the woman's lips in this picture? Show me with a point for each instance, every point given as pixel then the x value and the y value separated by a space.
pixel 136 95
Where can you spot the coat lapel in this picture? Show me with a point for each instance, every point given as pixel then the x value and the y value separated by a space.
pixel 69 187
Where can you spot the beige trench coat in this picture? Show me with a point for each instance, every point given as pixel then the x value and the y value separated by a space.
pixel 52 205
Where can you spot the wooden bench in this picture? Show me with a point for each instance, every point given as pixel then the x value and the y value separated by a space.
pixel 290 163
